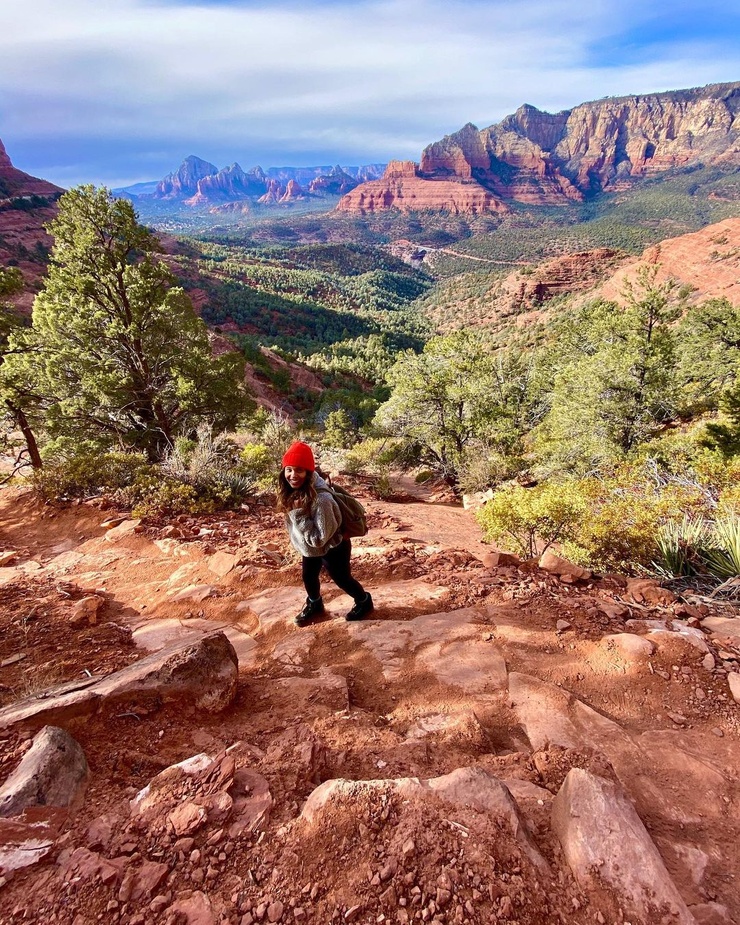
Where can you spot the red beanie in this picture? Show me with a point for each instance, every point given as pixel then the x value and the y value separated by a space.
pixel 299 456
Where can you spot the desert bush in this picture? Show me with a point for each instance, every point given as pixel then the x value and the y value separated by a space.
pixel 625 512
pixel 257 463
pixel 83 470
pixel 531 519
pixel 609 523
pixel 374 456
pixel 196 477
pixel 154 496
pixel 698 546
pixel 482 467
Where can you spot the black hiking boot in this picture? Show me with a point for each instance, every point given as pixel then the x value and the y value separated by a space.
pixel 360 609
pixel 311 610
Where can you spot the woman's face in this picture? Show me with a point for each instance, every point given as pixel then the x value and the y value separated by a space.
pixel 295 476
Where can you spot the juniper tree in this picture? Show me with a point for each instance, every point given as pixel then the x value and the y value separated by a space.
pixel 17 393
pixel 119 353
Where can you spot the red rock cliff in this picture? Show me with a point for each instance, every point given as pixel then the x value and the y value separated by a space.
pixel 543 158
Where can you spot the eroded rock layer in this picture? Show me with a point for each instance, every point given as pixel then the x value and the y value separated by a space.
pixel 541 158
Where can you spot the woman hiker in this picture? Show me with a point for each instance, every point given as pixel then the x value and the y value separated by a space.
pixel 314 524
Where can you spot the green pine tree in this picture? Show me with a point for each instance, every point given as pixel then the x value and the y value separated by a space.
pixel 119 354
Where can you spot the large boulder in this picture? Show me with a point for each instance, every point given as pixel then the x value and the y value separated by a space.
pixel 606 844
pixel 202 674
pixel 53 772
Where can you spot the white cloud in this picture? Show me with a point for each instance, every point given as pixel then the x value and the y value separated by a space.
pixel 380 78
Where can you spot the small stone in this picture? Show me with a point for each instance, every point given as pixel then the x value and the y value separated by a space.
pixel 409 847
pixel 718 732
pixel 187 818
pixel 12 659
pixel 275 912
pixel 352 913
pixel 85 611
pixel 158 904
pixel 733 679
pixel 443 898
pixel 198 875
pixel 708 662
pixel 677 718
pixel 389 870
pixel 563 625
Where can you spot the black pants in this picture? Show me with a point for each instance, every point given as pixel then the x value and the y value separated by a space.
pixel 338 567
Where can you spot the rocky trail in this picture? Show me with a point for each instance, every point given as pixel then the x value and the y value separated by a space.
pixel 503 742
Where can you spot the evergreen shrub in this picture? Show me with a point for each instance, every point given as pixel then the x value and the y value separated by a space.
pixel 83 470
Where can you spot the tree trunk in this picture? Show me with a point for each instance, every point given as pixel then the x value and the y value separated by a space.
pixel 28 435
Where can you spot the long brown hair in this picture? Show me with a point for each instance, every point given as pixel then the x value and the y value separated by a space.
pixel 288 499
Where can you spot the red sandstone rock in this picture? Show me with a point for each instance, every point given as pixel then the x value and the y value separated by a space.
pixel 402 188
pixel 542 158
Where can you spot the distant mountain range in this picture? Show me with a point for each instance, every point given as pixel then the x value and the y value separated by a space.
pixel 537 158
pixel 198 183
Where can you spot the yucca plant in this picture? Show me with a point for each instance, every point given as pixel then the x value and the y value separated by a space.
pixel 682 545
pixel 721 556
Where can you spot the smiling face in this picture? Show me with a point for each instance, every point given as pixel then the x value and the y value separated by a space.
pixel 295 476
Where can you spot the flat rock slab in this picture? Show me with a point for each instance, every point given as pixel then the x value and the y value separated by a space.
pixel 397 645
pixel 686 636
pixel 27 840
pixel 53 772
pixel 551 715
pixel 125 529
pixel 293 651
pixel 276 607
pixel 696 779
pixel 472 664
pixel 606 844
pixel 157 633
pixel 723 626
pixel 327 690
pixel 462 725
pixel 202 674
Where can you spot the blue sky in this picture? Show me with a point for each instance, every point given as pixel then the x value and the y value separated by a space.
pixel 117 91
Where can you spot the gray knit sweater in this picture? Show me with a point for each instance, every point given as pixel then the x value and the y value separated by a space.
pixel 316 532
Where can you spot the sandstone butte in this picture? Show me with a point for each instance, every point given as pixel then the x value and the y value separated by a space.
pixel 401 187
pixel 539 158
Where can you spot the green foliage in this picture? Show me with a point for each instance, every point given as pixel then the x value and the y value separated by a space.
pixel 73 470
pixel 722 558
pixel 116 350
pixel 725 437
pixel 698 546
pixel 458 392
pixel 709 360
pixel 613 383
pixel 625 512
pixel 315 302
pixel 209 464
pixel 339 430
pixel 152 497
pixel 258 464
pixel 532 519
